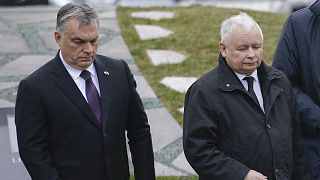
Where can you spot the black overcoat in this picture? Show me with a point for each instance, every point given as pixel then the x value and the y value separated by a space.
pixel 225 133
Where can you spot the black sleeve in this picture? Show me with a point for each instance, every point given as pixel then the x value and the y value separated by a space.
pixel 139 134
pixel 287 59
pixel 300 169
pixel 32 133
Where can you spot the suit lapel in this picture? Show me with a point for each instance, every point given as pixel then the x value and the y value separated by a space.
pixel 65 82
pixel 104 74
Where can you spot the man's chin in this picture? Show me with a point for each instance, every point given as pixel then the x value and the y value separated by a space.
pixel 247 71
pixel 85 59
pixel 251 68
pixel 85 65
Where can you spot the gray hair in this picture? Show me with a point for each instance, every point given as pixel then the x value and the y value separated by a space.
pixel 241 20
pixel 82 12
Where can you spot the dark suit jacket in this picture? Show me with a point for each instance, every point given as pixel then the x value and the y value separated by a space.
pixel 59 136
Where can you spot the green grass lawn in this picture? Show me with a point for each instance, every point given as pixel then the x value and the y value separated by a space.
pixel 196 35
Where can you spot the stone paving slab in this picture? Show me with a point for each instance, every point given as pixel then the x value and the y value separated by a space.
pixel 24 65
pixel 4 103
pixel 13 44
pixel 4 28
pixel 49 41
pixel 180 161
pixel 179 84
pixel 159 57
pixel 115 48
pixel 8 92
pixel 164 170
pixel 29 9
pixel 134 69
pixel 24 16
pixel 153 15
pixel 50 24
pixel 144 88
pixel 110 24
pixel 147 3
pixel 5 85
pixel 148 32
pixel 90 2
pixel 111 14
pixel 164 128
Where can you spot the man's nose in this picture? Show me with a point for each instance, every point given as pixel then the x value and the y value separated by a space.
pixel 251 52
pixel 88 48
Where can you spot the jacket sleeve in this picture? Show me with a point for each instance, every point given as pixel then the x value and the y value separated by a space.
pixel 300 169
pixel 200 140
pixel 287 59
pixel 139 134
pixel 32 133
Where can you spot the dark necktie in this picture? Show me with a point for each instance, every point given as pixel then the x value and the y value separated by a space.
pixel 250 80
pixel 92 94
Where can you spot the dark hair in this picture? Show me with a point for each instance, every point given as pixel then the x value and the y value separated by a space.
pixel 82 12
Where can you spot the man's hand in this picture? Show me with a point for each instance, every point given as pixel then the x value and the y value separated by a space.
pixel 254 175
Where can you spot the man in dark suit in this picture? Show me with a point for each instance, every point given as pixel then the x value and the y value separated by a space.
pixel 240 119
pixel 72 114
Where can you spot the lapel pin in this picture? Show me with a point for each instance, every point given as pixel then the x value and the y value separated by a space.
pixel 106 73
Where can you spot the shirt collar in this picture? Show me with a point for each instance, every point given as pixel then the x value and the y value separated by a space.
pixel 254 75
pixel 75 73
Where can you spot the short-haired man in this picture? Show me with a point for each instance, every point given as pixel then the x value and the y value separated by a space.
pixel 72 114
pixel 240 119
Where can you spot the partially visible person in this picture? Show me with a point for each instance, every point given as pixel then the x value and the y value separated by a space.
pixel 72 114
pixel 240 119
pixel 298 56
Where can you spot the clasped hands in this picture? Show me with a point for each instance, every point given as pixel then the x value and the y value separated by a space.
pixel 254 175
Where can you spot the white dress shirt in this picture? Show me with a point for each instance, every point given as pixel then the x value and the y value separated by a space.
pixel 256 86
pixel 80 82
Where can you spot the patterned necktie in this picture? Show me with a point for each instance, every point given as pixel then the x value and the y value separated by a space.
pixel 250 80
pixel 92 94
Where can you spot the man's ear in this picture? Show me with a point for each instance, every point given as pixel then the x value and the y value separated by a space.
pixel 222 48
pixel 58 38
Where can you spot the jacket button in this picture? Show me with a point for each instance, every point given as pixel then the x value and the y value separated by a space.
pixel 276 170
pixel 268 126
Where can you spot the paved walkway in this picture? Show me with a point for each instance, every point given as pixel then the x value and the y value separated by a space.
pixel 26 36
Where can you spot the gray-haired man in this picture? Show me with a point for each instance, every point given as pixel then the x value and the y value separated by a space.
pixel 72 113
pixel 240 120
